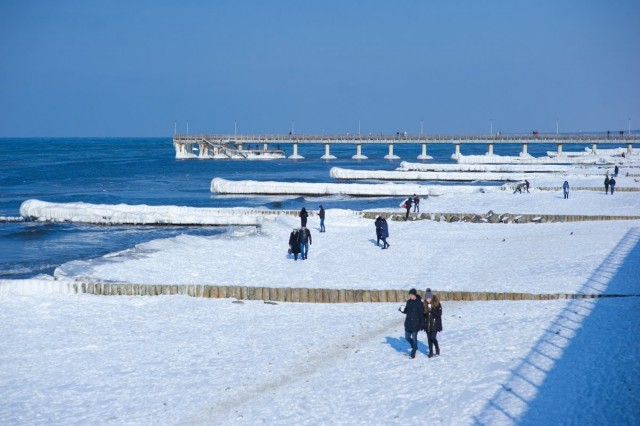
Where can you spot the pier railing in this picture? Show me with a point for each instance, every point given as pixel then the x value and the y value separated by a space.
pixel 372 138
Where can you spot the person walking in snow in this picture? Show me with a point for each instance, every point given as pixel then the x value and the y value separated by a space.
pixel 416 203
pixel 321 216
pixel 565 189
pixel 612 184
pixel 615 171
pixel 384 232
pixel 303 217
pixel 433 320
pixel 378 224
pixel 413 323
pixel 305 242
pixel 519 188
pixel 526 186
pixel 294 243
pixel 407 205
pixel 606 184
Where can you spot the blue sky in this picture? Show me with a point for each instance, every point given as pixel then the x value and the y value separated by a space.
pixel 133 68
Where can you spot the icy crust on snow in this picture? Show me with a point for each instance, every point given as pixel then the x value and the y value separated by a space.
pixel 224 186
pixel 123 214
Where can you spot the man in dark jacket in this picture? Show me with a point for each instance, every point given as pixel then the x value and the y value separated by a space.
pixel 407 205
pixel 612 184
pixel 414 322
pixel 305 242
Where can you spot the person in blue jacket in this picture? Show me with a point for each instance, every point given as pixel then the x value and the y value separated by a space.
pixel 414 322
pixel 565 189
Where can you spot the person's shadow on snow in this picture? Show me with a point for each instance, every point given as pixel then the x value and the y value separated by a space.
pixel 401 345
pixel 374 242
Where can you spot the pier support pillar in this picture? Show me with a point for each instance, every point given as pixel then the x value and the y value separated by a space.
pixel 295 155
pixel 265 147
pixel 524 152
pixel 424 155
pixel 239 145
pixel 327 154
pixel 629 148
pixel 359 155
pixel 490 152
pixel 594 148
pixel 456 155
pixel 390 156
pixel 559 149
pixel 203 152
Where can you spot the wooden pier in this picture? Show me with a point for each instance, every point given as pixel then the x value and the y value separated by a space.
pixel 219 144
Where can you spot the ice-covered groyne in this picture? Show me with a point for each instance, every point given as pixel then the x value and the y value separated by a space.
pixel 223 186
pixel 503 159
pixel 483 168
pixel 348 174
pixel 123 214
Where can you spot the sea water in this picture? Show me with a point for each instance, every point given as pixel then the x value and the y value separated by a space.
pixel 145 171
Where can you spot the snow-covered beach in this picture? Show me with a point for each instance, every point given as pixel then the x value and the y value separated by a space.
pixel 83 359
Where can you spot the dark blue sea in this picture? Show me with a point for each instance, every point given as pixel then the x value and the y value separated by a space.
pixel 145 171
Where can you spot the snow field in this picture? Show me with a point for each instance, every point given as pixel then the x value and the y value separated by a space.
pixel 179 360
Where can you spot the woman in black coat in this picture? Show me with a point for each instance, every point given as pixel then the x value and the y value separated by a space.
pixel 433 320
pixel 303 217
pixel 294 243
pixel 414 322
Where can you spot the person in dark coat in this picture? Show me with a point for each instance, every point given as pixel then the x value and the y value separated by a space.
pixel 407 205
pixel 615 171
pixel 612 184
pixel 526 186
pixel 303 217
pixel 416 203
pixel 565 189
pixel 378 224
pixel 294 243
pixel 606 185
pixel 384 232
pixel 414 322
pixel 433 320
pixel 321 216
pixel 305 242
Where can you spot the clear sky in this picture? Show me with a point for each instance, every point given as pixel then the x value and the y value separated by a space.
pixel 133 68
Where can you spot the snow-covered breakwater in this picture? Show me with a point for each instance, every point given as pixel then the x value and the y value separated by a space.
pixel 406 166
pixel 463 176
pixel 123 214
pixel 223 186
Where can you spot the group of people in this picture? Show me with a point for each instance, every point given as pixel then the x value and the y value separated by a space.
pixel 300 239
pixel 610 183
pixel 412 201
pixel 422 315
pixel 522 185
